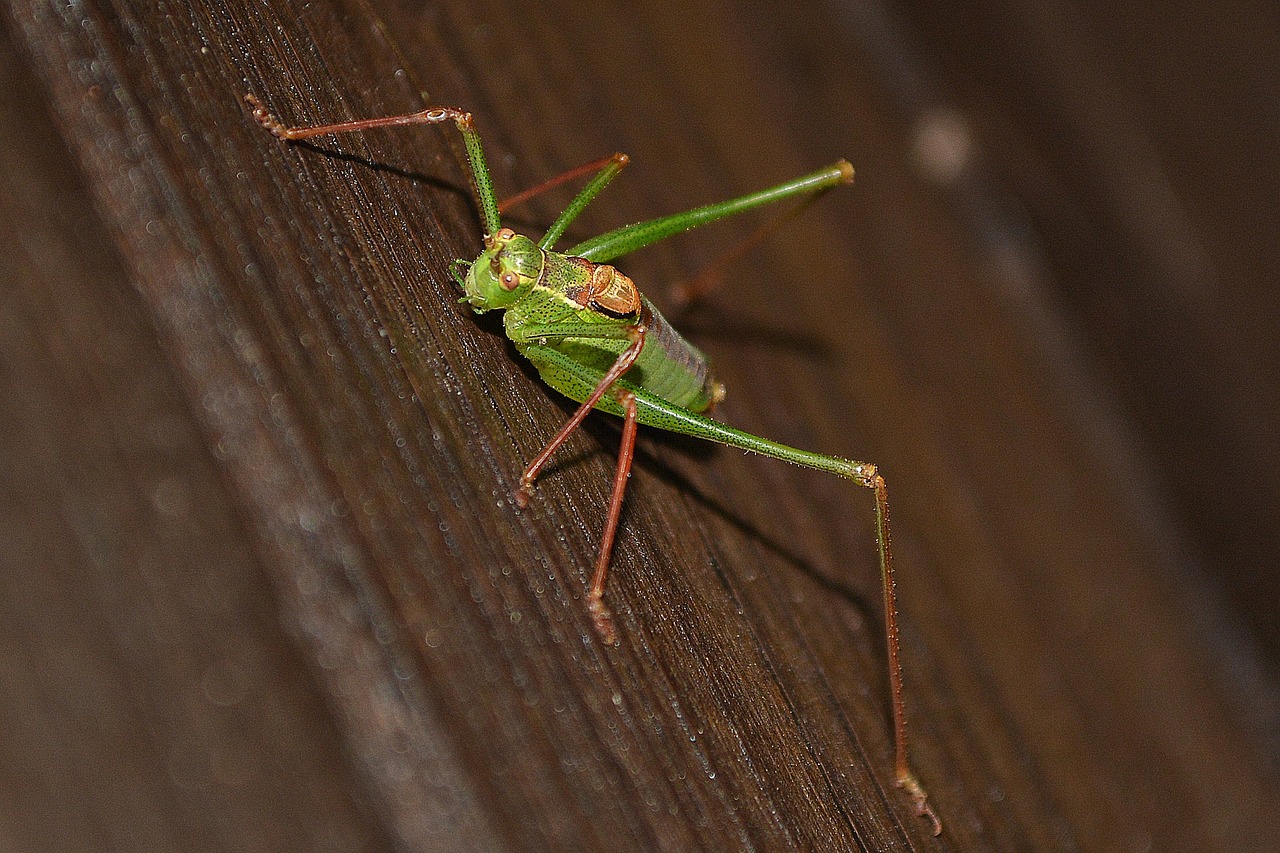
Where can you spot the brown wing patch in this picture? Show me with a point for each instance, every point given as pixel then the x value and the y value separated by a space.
pixel 613 292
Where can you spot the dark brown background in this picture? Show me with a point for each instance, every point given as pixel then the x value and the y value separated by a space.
pixel 264 587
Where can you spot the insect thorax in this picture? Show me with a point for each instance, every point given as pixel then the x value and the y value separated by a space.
pixel 599 287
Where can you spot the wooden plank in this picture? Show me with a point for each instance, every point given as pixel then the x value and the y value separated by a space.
pixel 361 435
pixel 153 699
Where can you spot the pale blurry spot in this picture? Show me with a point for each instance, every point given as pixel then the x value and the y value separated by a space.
pixel 170 498
pixel 942 144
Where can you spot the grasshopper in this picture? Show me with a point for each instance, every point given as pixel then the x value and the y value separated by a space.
pixel 594 338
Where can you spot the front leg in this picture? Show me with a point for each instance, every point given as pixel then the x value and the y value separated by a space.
pixel 620 366
pixel 600 616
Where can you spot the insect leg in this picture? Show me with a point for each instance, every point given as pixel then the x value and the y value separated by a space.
pixel 661 412
pixel 652 410
pixel 600 614
pixel 563 178
pixel 480 180
pixel 606 168
pixel 629 238
pixel 903 777
pixel 607 173
pixel 682 294
pixel 625 360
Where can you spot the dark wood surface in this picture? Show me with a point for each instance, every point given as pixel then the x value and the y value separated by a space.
pixel 265 587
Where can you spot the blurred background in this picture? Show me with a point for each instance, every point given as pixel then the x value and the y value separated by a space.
pixel 263 587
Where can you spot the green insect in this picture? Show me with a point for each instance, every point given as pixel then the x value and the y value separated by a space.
pixel 594 338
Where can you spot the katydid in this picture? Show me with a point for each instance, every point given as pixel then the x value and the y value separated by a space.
pixel 594 338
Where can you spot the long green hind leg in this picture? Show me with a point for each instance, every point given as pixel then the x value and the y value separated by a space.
pixel 572 378
pixel 629 238
pixel 685 293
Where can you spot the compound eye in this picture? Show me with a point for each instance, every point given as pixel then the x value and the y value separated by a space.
pixel 509 281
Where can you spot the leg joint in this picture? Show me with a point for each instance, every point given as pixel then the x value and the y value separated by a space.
pixel 865 473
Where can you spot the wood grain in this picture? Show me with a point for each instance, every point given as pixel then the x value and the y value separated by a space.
pixel 272 591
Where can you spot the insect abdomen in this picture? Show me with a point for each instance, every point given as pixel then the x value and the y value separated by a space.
pixel 673 368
